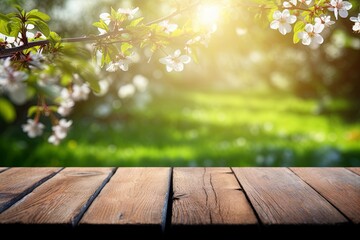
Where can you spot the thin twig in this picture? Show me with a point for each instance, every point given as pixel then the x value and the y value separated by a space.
pixel 9 51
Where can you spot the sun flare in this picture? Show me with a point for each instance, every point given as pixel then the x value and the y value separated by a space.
pixel 209 14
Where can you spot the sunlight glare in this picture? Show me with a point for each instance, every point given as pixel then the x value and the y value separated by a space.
pixel 209 14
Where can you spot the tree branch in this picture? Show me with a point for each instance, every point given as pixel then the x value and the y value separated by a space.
pixel 9 51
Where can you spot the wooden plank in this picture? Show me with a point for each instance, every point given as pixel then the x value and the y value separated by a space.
pixel 3 169
pixel 339 186
pixel 280 197
pixel 60 200
pixel 204 196
pixel 355 170
pixel 133 197
pixel 15 183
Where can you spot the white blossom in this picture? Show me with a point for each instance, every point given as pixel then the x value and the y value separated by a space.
pixel 323 19
pixel 102 31
pixel 33 128
pixel 311 35
pixel 290 3
pixel 168 27
pixel 126 91
pixel 122 64
pixel 80 92
pixel 282 21
pixel 175 62
pixel 340 7
pixel 130 13
pixel 106 17
pixel 65 107
pixel 356 26
pixel 60 131
pixel 13 82
pixel 54 139
pixel 18 95
pixel 36 60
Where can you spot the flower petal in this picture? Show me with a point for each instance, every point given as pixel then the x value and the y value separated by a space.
pixel 309 28
pixel 286 13
pixel 343 13
pixel 282 29
pixel 318 39
pixel 306 40
pixel 274 24
pixel 277 15
pixel 318 28
pixel 347 5
pixel 292 19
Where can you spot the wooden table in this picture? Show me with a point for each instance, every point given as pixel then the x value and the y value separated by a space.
pixel 179 201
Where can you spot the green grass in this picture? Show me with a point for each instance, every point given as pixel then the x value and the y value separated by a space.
pixel 200 129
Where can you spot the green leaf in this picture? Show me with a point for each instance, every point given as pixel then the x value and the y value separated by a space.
pixel 14 27
pixel 7 110
pixel 135 22
pixel 35 14
pixel 4 29
pixel 54 37
pixel 125 47
pixel 101 24
pixel 4 17
pixel 32 110
pixel 299 27
pixel 43 27
pixel 20 9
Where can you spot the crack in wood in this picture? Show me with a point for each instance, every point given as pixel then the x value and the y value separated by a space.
pixel 75 221
pixel 27 191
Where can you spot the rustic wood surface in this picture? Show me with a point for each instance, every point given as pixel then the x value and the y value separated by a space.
pixel 60 200
pixel 355 170
pixel 209 196
pixel 133 196
pixel 280 197
pixel 338 185
pixel 17 182
pixel 168 199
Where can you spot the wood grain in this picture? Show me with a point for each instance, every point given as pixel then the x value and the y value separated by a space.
pixel 15 183
pixel 339 186
pixel 204 196
pixel 280 197
pixel 355 170
pixel 60 200
pixel 133 196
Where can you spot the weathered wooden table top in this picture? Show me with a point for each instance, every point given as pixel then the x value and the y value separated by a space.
pixel 179 200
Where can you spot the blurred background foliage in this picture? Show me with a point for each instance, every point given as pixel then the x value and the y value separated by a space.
pixel 254 98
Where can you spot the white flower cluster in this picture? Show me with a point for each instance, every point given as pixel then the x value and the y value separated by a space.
pixel 175 61
pixel 59 131
pixel 69 97
pixel 311 35
pixel 34 128
pixel 13 82
pixel 127 12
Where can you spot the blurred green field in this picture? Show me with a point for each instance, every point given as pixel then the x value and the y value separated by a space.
pixel 200 128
